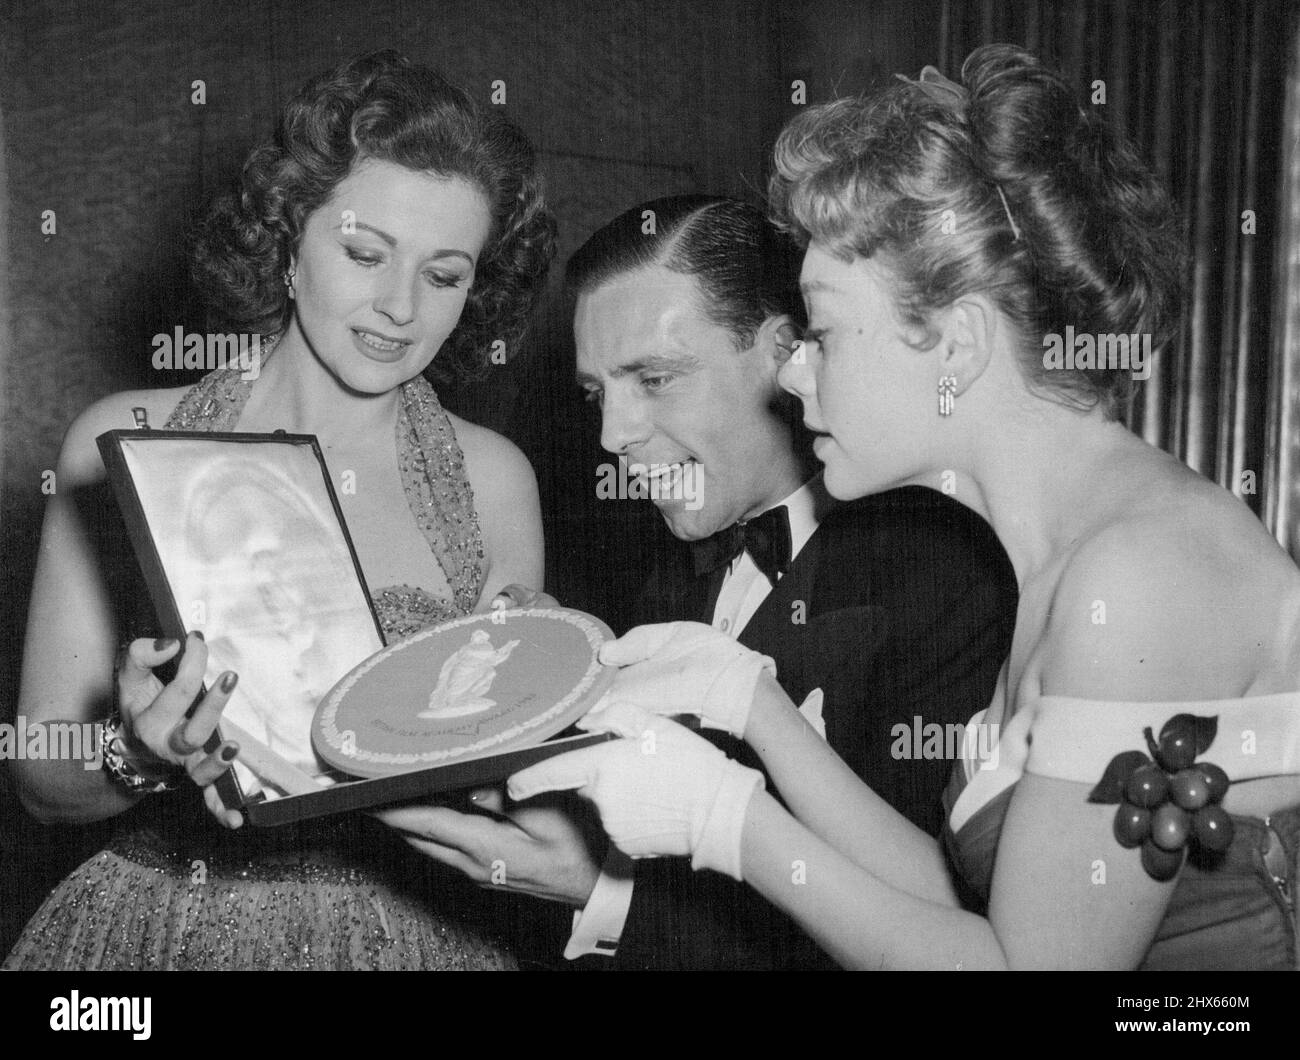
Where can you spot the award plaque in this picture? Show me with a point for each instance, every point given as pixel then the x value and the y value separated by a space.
pixel 474 686
pixel 241 537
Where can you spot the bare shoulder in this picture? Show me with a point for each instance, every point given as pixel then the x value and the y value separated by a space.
pixel 495 465
pixel 509 513
pixel 1180 595
pixel 79 456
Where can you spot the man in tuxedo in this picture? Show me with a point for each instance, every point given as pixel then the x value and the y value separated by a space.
pixel 883 615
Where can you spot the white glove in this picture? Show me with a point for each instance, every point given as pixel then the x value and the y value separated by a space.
pixel 686 668
pixel 662 790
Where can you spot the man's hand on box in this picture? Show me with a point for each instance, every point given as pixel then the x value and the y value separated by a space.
pixel 552 848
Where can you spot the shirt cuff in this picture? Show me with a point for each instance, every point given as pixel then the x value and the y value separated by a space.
pixel 598 925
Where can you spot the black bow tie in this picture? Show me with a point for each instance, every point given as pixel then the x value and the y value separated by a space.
pixel 766 538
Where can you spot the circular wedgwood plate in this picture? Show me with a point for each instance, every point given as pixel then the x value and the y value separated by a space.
pixel 477 685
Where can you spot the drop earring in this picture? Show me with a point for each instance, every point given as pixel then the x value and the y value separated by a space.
pixel 288 280
pixel 947 394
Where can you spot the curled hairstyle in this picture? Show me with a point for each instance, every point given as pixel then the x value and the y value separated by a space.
pixel 747 270
pixel 382 107
pixel 1087 236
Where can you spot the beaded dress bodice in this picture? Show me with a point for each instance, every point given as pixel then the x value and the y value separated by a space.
pixel 433 477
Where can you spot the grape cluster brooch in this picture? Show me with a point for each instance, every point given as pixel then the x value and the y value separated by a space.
pixel 1168 801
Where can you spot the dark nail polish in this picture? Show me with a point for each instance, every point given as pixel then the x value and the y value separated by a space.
pixel 228 753
pixel 228 682
pixel 198 633
pixel 163 643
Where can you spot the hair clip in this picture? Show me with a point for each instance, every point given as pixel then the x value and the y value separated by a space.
pixel 1015 231
pixel 940 90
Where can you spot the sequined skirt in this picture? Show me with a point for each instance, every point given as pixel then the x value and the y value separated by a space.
pixel 140 905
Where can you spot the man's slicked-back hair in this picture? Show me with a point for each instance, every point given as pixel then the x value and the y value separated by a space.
pixel 746 268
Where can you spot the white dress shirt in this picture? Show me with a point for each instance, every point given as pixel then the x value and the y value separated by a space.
pixel 598 926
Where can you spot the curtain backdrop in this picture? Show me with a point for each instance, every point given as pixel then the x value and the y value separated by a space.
pixel 1283 508
pixel 1201 86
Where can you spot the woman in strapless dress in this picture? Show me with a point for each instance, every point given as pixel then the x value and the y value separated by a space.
pixel 392 221
pixel 987 265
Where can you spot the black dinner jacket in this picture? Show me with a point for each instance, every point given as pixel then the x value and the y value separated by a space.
pixel 901 606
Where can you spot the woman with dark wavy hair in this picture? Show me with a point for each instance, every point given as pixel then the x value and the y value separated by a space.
pixel 392 222
pixel 1131 797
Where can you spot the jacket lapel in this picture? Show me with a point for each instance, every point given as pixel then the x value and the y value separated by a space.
pixel 769 630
